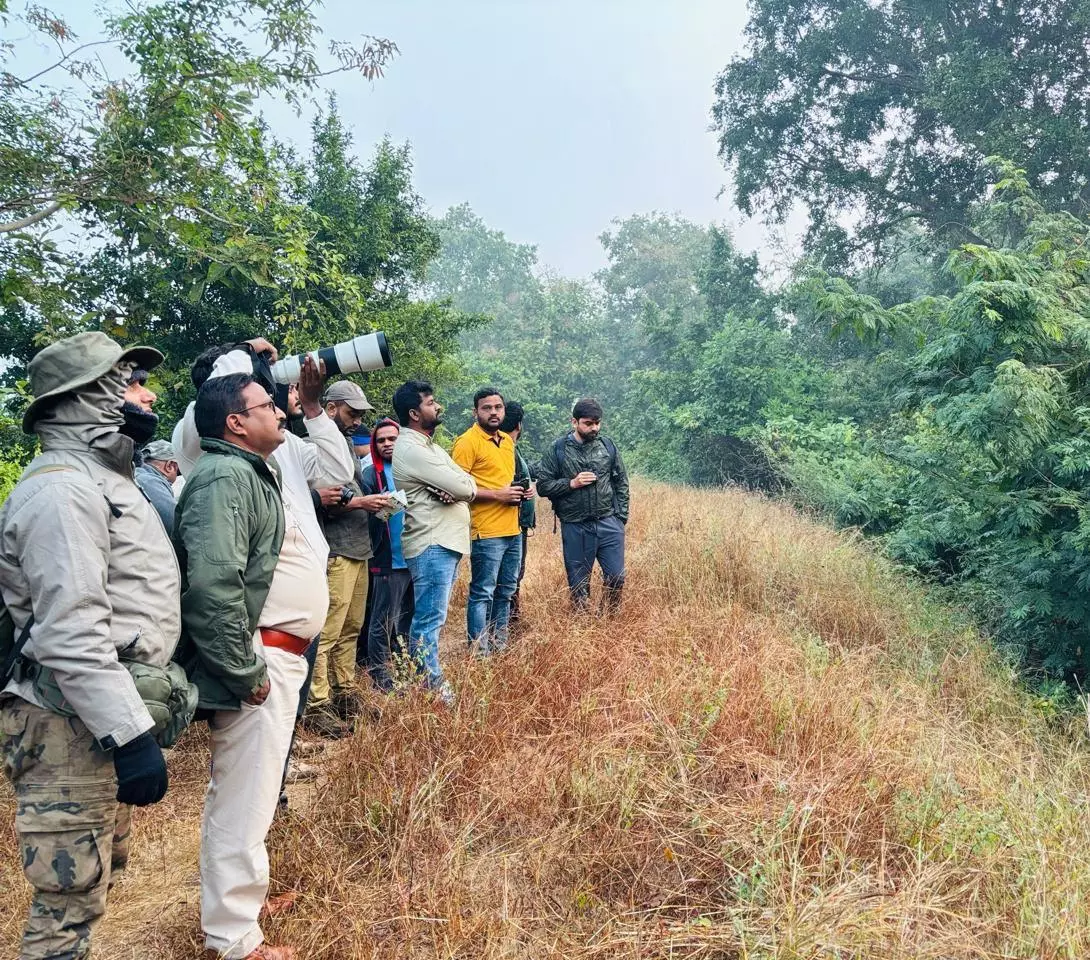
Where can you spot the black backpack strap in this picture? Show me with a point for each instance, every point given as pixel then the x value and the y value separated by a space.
pixel 612 448
pixel 16 654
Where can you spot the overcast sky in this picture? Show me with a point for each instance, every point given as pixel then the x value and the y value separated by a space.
pixel 549 117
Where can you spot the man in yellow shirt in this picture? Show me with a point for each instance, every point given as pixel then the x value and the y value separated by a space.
pixel 487 454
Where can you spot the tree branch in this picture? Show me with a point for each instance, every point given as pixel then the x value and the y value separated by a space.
pixel 32 219
pixel 67 56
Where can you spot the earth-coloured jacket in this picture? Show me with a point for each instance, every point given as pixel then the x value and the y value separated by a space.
pixel 84 552
pixel 228 531
pixel 607 497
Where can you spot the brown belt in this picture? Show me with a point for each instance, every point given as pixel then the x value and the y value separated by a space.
pixel 284 641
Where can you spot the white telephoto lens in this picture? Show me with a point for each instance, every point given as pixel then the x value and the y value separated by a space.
pixel 369 351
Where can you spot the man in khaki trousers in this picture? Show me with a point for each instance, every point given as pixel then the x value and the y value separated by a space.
pixel 332 691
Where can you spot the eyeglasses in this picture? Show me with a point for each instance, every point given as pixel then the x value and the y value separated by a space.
pixel 267 405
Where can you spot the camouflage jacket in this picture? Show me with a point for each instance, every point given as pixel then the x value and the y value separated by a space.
pixel 607 497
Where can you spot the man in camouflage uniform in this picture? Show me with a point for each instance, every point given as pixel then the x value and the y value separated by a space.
pixel 584 477
pixel 86 565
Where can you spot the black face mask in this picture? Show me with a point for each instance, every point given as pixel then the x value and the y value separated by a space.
pixel 139 426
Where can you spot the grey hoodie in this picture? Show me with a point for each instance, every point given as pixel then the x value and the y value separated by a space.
pixel 83 548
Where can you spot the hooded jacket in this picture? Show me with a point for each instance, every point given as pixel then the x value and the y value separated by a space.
pixel 84 552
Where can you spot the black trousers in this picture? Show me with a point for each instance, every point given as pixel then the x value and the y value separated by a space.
pixel 516 612
pixel 391 616
pixel 587 541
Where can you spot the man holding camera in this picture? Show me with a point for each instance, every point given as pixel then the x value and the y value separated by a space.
pixel 90 583
pixel 332 696
pixel 584 477
pixel 487 454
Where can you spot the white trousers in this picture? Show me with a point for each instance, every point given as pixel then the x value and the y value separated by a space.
pixel 249 749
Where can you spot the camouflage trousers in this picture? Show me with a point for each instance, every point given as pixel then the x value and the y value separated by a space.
pixel 73 834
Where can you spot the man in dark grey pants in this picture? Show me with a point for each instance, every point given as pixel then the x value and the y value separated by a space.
pixel 585 541
pixel 392 593
pixel 584 477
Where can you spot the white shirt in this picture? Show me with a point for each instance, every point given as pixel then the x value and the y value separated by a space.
pixel 299 595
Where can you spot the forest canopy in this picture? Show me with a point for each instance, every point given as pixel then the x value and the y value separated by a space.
pixel 919 372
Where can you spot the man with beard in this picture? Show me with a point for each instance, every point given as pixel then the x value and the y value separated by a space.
pixel 90 581
pixel 487 454
pixel 392 586
pixel 584 477
pixel 332 693
pixel 436 532
pixel 253 598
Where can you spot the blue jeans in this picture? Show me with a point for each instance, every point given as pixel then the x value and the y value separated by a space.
pixel 433 574
pixel 494 564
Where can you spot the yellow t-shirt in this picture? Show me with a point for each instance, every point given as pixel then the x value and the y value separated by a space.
pixel 491 462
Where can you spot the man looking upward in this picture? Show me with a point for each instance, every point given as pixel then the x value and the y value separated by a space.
pixel 253 598
pixel 332 695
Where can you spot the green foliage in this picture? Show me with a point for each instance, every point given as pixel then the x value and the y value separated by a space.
pixel 890 110
pixel 548 341
pixel 169 158
pixel 980 473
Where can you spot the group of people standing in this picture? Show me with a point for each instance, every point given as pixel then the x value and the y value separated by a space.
pixel 126 614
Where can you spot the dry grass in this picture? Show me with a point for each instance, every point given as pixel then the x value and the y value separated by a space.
pixel 779 749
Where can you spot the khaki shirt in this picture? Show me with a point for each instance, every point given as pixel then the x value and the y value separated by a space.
pixel 419 462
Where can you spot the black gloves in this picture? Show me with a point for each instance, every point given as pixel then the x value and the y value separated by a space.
pixel 141 771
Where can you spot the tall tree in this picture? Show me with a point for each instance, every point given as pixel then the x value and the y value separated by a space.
pixel 169 156
pixel 368 220
pixel 479 268
pixel 887 110
pixel 654 259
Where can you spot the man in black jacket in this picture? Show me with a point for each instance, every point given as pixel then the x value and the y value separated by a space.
pixel 391 583
pixel 584 477
pixel 512 426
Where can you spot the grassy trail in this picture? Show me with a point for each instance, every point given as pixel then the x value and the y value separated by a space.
pixel 779 749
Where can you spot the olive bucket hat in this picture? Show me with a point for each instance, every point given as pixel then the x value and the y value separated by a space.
pixel 74 362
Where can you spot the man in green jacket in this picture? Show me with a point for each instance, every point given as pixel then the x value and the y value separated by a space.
pixel 253 597
pixel 584 477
